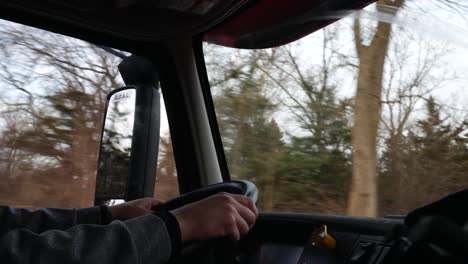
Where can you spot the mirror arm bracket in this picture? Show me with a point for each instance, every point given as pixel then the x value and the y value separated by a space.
pixel 141 73
pixel 137 70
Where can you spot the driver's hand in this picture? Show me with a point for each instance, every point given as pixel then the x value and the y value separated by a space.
pixel 133 208
pixel 217 216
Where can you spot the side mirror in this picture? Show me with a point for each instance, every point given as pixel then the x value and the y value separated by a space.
pixel 116 144
pixel 129 145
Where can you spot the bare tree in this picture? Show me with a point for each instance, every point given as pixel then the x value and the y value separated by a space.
pixel 363 193
pixel 372 56
pixel 318 128
pixel 245 110
pixel 411 77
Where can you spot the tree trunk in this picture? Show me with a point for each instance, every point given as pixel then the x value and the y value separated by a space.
pixel 268 193
pixel 394 186
pixel 363 194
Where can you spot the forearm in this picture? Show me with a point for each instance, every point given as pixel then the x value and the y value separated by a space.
pixel 45 219
pixel 140 240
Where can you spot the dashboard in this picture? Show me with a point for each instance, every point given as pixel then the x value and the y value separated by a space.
pixel 286 239
pixel 350 248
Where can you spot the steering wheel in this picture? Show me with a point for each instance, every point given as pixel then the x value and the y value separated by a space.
pixel 209 251
pixel 245 188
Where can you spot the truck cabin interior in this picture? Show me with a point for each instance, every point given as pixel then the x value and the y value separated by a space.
pixel 162 49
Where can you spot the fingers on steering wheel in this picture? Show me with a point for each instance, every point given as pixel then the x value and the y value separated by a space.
pixel 247 215
pixel 242 225
pixel 232 228
pixel 246 201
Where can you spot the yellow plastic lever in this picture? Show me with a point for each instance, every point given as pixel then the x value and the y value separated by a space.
pixel 321 238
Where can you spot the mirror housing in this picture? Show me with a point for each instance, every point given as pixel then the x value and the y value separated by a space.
pixel 129 144
pixel 116 142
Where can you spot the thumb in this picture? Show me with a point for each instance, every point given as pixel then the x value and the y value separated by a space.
pixel 156 202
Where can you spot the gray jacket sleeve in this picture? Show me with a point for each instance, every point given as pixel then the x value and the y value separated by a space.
pixel 45 219
pixel 74 236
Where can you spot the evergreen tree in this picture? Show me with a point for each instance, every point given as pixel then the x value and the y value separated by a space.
pixel 309 169
pixel 316 168
pixel 62 139
pixel 434 161
pixel 251 136
pixel 315 164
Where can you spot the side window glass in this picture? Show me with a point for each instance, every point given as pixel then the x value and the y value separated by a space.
pixel 53 93
pixel 52 101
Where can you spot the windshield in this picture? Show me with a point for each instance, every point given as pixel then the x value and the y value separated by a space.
pixel 367 116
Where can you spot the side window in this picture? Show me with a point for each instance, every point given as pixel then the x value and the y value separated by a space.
pixel 52 100
pixel 53 92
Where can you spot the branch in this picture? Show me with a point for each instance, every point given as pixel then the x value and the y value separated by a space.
pixel 297 102
pixel 358 37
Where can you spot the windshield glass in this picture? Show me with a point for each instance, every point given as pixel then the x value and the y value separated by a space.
pixel 367 116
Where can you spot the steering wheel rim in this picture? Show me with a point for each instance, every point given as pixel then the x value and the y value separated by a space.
pixel 241 187
pixel 189 253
